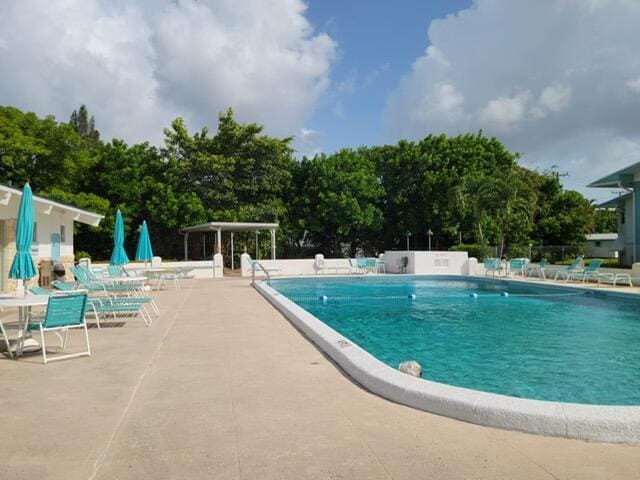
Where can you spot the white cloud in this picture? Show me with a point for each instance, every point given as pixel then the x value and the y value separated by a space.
pixel 555 97
pixel 137 65
pixel 506 112
pixel 554 79
pixel 634 85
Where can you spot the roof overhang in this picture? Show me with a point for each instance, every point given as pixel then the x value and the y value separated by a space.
pixel 621 179
pixel 230 227
pixel 47 207
pixel 615 202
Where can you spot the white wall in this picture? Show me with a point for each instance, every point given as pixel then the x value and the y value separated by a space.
pixel 428 263
pixel 296 267
pixel 605 250
pixel 48 224
pixel 199 269
pixel 48 221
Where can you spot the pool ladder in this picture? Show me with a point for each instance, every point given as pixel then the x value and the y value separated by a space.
pixel 253 272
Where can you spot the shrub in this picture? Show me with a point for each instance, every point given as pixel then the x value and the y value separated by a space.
pixel 81 254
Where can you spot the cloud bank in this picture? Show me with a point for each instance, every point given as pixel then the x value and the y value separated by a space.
pixel 139 64
pixel 557 80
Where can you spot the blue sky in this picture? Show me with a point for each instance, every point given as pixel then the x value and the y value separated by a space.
pixel 376 46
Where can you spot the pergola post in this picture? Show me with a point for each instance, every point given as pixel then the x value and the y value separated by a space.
pixel 273 244
pixel 636 219
pixel 219 241
pixel 257 252
pixel 186 246
pixel 232 251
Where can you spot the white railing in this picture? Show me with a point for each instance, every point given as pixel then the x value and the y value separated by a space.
pixel 253 272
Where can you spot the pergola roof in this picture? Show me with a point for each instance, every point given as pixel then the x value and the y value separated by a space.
pixel 230 227
pixel 621 178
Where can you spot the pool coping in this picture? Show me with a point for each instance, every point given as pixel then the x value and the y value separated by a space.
pixel 600 423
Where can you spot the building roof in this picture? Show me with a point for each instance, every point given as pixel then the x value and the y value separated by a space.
pixel 602 236
pixel 230 227
pixel 621 178
pixel 79 215
pixel 615 202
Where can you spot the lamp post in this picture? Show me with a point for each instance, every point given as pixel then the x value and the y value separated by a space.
pixel 429 232
pixel 408 235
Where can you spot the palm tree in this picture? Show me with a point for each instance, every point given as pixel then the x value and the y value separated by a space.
pixel 509 195
pixel 474 193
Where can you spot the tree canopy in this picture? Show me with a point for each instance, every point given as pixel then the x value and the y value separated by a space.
pixel 465 189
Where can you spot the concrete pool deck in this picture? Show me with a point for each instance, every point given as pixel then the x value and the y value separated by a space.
pixel 222 386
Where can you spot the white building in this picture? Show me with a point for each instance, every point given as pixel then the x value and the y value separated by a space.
pixel 601 245
pixel 628 207
pixel 52 236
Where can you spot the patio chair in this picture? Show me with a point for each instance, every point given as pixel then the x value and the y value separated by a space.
pixel 403 264
pixel 518 266
pixel 538 269
pixel 573 267
pixel 492 266
pixel 361 264
pixel 114 270
pixel 589 272
pixel 353 267
pixel 371 265
pixel 64 312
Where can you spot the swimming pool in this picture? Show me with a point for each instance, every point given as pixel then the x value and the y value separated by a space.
pixel 537 342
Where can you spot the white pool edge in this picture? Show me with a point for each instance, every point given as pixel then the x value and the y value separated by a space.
pixel 612 424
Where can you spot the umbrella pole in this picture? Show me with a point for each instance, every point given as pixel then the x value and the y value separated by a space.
pixel 20 290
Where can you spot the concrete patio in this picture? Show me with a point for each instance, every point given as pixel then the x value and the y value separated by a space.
pixel 222 386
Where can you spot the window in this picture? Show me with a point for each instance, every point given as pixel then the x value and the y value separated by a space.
pixel 598 244
pixel 63 234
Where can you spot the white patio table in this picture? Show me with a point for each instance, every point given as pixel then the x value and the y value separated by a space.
pixel 124 279
pixel 24 305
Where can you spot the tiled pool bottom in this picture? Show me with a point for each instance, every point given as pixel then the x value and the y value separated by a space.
pixel 405 320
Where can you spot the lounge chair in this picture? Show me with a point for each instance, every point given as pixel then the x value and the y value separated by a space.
pixel 63 313
pixel 112 305
pixel 589 272
pixel 616 278
pixel 574 267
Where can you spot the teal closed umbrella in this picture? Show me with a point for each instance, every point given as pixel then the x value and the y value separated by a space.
pixel 118 256
pixel 144 252
pixel 23 267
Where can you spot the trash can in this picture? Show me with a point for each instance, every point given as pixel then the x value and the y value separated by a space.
pixel 59 272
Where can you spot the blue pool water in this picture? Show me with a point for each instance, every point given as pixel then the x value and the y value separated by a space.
pixel 536 343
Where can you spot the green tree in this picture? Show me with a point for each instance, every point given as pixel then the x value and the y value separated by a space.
pixel 336 202
pixel 84 125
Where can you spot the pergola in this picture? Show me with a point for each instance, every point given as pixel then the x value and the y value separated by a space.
pixel 232 227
